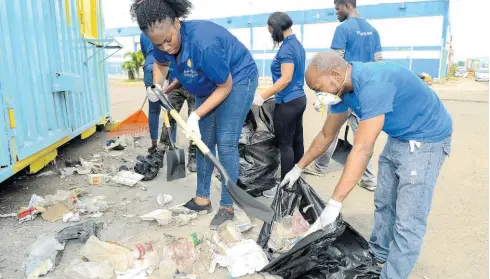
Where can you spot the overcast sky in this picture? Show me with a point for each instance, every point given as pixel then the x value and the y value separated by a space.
pixel 467 16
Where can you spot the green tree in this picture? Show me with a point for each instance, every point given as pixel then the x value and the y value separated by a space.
pixel 460 63
pixel 134 62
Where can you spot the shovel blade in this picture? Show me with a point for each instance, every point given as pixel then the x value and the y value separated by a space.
pixel 342 151
pixel 175 164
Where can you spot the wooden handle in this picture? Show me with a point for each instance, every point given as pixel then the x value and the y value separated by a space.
pixel 199 143
pixel 166 120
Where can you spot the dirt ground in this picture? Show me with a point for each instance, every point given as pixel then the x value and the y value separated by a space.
pixel 456 244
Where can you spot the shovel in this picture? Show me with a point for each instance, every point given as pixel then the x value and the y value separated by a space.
pixel 343 149
pixel 250 205
pixel 175 156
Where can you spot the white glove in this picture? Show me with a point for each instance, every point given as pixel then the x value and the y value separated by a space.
pixel 151 95
pixel 193 125
pixel 292 176
pixel 258 100
pixel 329 215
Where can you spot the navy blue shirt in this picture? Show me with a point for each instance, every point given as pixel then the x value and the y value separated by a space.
pixel 147 49
pixel 209 53
pixel 358 39
pixel 291 51
pixel 412 109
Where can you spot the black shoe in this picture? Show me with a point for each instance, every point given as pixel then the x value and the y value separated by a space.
pixel 192 163
pixel 222 216
pixel 152 149
pixel 192 205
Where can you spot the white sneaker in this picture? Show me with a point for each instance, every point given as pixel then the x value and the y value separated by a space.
pixel 271 193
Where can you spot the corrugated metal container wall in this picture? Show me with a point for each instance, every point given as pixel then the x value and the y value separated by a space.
pixel 53 84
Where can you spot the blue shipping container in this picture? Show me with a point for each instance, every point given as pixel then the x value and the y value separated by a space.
pixel 53 79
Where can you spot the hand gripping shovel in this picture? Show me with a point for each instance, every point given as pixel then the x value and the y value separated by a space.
pixel 175 156
pixel 250 205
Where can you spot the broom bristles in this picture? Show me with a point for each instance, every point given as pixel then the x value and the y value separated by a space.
pixel 135 125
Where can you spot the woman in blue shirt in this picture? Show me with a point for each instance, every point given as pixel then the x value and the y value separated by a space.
pixel 288 74
pixel 217 68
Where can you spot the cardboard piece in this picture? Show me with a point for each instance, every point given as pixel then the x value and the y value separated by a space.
pixel 55 213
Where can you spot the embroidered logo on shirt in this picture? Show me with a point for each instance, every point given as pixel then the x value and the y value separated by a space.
pixel 189 63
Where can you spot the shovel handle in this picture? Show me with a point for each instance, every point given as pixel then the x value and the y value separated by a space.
pixel 166 120
pixel 199 143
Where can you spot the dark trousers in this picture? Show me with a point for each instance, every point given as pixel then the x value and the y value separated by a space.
pixel 288 126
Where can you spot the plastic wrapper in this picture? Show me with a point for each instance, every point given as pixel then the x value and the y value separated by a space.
pixel 259 156
pixel 337 251
pixel 89 270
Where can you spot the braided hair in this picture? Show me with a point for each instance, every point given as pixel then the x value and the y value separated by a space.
pixel 148 13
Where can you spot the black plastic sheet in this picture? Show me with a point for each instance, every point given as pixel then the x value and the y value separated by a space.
pixel 150 165
pixel 336 252
pixel 259 168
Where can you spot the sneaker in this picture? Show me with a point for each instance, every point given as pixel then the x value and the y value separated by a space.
pixel 192 163
pixel 222 216
pixel 152 149
pixel 313 171
pixel 271 193
pixel 192 205
pixel 366 186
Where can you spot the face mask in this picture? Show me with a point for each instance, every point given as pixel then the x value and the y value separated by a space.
pixel 324 99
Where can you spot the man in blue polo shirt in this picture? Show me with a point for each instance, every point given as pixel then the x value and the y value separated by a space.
pixel 386 97
pixel 357 41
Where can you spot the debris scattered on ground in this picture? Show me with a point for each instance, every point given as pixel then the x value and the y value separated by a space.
pixel 8 215
pixel 184 219
pixel 62 196
pixel 98 179
pixel 89 270
pixel 40 257
pixel 55 213
pixel 162 216
pixel 71 217
pixel 163 199
pixel 67 171
pixel 123 168
pixel 129 215
pixel 118 256
pixel 92 205
pixel 46 173
pixel 96 215
pixel 229 233
pixel 142 188
pixel 120 143
pixel 35 206
pixel 72 163
pixel 127 178
pixel 167 269
pixel 242 258
pixel 184 254
pixel 81 232
pixel 242 221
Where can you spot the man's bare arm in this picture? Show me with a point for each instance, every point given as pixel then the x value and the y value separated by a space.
pixel 359 156
pixel 324 138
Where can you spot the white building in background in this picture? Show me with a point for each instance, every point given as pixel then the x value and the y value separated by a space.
pixel 413 34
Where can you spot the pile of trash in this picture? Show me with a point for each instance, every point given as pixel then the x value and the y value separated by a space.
pixel 64 205
pixel 259 156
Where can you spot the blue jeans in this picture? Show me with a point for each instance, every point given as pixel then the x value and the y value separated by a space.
pixel 406 182
pixel 154 108
pixel 222 127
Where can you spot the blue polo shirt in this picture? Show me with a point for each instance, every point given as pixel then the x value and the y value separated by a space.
pixel 291 51
pixel 412 109
pixel 209 53
pixel 147 49
pixel 358 39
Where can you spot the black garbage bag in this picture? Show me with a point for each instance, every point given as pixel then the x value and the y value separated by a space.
pixel 150 165
pixel 338 251
pixel 259 168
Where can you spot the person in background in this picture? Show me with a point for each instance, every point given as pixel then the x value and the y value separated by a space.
pixel 288 74
pixel 386 97
pixel 177 96
pixel 218 69
pixel 154 108
pixel 356 41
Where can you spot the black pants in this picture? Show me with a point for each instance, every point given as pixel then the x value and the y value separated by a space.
pixel 288 126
